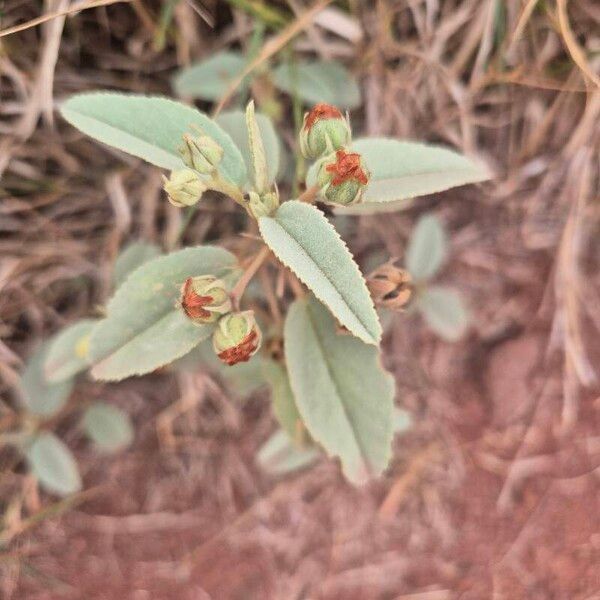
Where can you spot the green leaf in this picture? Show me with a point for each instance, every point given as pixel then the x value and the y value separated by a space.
pixel 280 456
pixel 402 420
pixel 132 257
pixel 149 127
pixel 427 248
pixel 144 328
pixel 209 79
pixel 341 390
pixel 39 396
pixel 108 426
pixel 402 170
pixel 257 151
pixel 67 353
pixel 234 123
pixel 444 312
pixel 53 464
pixel 304 240
pixel 284 405
pixel 319 81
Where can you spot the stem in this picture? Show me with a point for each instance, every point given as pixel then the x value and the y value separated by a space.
pixel 229 189
pixel 309 194
pixel 240 287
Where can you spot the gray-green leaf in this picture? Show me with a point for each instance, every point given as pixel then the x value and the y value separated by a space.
pixel 144 328
pixel 280 456
pixel 319 81
pixel 341 390
pixel 444 311
pixel 284 405
pixel 209 79
pixel 68 352
pixel 149 127
pixel 53 464
pixel 304 240
pixel 133 256
pixel 427 248
pixel 39 395
pixel 108 426
pixel 257 151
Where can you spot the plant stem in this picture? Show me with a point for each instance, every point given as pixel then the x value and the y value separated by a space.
pixel 240 287
pixel 309 194
pixel 221 185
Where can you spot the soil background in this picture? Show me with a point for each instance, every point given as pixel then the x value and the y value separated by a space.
pixel 494 491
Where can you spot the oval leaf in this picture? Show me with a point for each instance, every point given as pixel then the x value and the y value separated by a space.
pixel 144 328
pixel 148 127
pixel 304 240
pixel 209 79
pixel 67 354
pixel 53 465
pixel 40 396
pixel 108 427
pixel 234 123
pixel 343 394
pixel 427 248
pixel 319 81
pixel 132 257
pixel 444 311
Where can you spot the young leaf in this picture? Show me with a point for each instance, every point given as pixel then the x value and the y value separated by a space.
pixel 209 79
pixel 444 312
pixel 342 392
pixel 427 248
pixel 67 354
pixel 149 127
pixel 39 395
pixel 144 328
pixel 319 81
pixel 304 240
pixel 132 257
pixel 403 170
pixel 234 123
pixel 257 151
pixel 108 427
pixel 280 456
pixel 284 405
pixel 53 465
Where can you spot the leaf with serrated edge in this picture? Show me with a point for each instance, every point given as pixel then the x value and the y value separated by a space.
pixel 67 354
pixel 443 309
pixel 150 127
pixel 427 248
pixel 304 240
pixel 144 328
pixel 257 151
pixel 133 256
pixel 343 394
pixel 107 426
pixel 53 464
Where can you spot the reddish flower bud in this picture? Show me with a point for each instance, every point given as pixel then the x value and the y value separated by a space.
pixel 204 299
pixel 237 337
pixel 342 178
pixel 325 130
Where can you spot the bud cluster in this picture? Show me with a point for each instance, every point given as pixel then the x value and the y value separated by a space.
pixel 390 286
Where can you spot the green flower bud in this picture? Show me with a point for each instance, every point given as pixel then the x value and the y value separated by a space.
pixel 201 153
pixel 324 131
pixel 262 206
pixel 237 337
pixel 184 187
pixel 204 299
pixel 342 178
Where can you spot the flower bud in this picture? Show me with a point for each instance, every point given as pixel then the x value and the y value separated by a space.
pixel 324 130
pixel 184 187
pixel 390 286
pixel 237 337
pixel 201 153
pixel 342 178
pixel 262 206
pixel 204 299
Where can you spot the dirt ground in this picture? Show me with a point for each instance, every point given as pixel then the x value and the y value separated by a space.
pixel 494 492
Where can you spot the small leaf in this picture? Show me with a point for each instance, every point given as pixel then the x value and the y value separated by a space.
pixel 257 151
pixel 108 426
pixel 54 465
pixel 342 392
pixel 444 312
pixel 402 170
pixel 40 396
pixel 234 123
pixel 280 456
pixel 319 81
pixel 284 405
pixel 427 248
pixel 209 79
pixel 149 127
pixel 132 257
pixel 304 240
pixel 144 328
pixel 402 420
